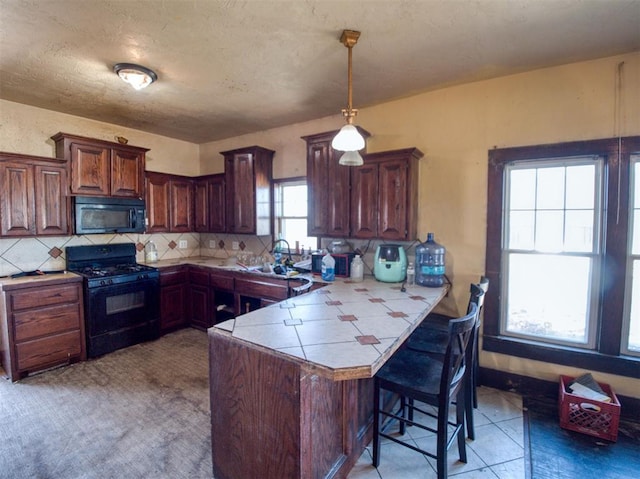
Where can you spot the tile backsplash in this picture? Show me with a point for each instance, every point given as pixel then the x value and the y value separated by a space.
pixel 47 253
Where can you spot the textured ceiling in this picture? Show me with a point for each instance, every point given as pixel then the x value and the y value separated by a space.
pixel 232 67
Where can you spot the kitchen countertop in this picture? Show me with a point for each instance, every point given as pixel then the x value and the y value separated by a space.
pixel 343 331
pixel 8 283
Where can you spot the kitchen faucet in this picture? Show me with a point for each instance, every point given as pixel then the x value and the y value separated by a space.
pixel 288 262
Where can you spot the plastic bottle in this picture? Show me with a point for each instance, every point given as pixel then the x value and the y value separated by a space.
pixel 411 274
pixel 277 254
pixel 328 268
pixel 150 252
pixel 357 269
pixel 430 261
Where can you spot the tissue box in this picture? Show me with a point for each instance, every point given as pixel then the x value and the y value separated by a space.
pixel 589 416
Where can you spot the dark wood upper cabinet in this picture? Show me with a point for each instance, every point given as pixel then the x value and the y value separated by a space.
pixel 34 196
pixel 210 204
pixel 384 195
pixel 375 200
pixel 328 186
pixel 102 168
pixel 248 174
pixel 170 203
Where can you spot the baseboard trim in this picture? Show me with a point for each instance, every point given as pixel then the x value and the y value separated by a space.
pixel 528 386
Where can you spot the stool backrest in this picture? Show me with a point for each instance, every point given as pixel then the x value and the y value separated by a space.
pixel 456 358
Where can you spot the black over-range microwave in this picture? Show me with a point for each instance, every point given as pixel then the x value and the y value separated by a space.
pixel 94 215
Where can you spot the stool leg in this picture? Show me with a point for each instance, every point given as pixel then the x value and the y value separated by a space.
pixel 468 403
pixel 376 424
pixel 460 413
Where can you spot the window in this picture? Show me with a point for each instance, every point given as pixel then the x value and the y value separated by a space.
pixel 550 251
pixel 631 342
pixel 563 249
pixel 290 207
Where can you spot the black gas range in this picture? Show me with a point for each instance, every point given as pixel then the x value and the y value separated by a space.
pixel 121 297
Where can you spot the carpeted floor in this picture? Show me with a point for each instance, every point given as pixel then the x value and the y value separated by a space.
pixel 556 453
pixel 141 412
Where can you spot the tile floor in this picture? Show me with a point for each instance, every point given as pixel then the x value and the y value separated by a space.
pixel 497 452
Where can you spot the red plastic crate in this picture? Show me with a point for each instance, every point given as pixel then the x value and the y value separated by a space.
pixel 589 416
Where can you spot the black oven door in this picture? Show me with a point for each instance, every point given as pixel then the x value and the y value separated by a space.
pixel 121 315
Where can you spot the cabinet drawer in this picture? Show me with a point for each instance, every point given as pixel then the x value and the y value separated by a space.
pixel 263 289
pixel 219 281
pixel 179 276
pixel 46 296
pixel 48 351
pixel 40 322
pixel 197 276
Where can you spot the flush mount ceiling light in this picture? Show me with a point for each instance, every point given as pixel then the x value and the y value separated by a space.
pixel 349 138
pixel 137 76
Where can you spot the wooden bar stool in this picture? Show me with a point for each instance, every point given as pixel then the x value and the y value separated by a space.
pixel 437 380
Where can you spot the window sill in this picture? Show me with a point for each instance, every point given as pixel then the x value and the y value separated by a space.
pixel 628 366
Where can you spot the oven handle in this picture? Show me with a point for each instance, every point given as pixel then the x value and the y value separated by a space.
pixel 132 217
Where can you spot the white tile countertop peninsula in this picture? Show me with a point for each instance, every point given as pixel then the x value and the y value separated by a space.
pixel 343 331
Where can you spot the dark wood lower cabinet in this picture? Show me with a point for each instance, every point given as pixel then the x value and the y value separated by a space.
pixel 41 324
pixel 174 295
pixel 274 419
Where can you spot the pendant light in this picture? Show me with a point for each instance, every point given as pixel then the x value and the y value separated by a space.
pixel 137 76
pixel 349 138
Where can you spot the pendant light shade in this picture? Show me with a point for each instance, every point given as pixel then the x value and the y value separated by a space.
pixel 349 138
pixel 137 76
pixel 351 158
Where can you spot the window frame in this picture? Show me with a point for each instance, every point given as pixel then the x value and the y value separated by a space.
pixel 275 184
pixel 607 355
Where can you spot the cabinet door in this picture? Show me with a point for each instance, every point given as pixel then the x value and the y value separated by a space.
pixel 217 204
pixel 328 187
pixel 242 209
pixel 392 204
pixel 173 303
pixel 127 173
pixel 364 202
pixel 51 212
pixel 157 203
pixel 318 196
pixel 17 205
pixel 90 169
pixel 199 304
pixel 201 206
pixel 181 214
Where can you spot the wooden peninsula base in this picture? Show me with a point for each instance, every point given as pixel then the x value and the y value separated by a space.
pixel 272 418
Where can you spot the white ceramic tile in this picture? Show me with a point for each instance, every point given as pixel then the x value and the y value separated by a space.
pixel 228 325
pixel 407 305
pixel 363 309
pixel 263 316
pixel 29 254
pixel 326 332
pixel 316 312
pixel 487 437
pixel 341 355
pixel 274 336
pixel 363 469
pixel 510 470
pixel 397 461
pixel 455 466
pixel 514 428
pixel 298 352
pixel 381 326
pixel 499 406
pixel 7 243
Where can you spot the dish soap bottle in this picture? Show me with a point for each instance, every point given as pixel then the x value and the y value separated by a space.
pixel 150 252
pixel 357 269
pixel 328 268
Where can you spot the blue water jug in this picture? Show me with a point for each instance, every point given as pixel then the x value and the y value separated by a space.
pixel 430 266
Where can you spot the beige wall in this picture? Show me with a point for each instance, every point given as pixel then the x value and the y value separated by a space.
pixel 455 127
pixel 28 130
